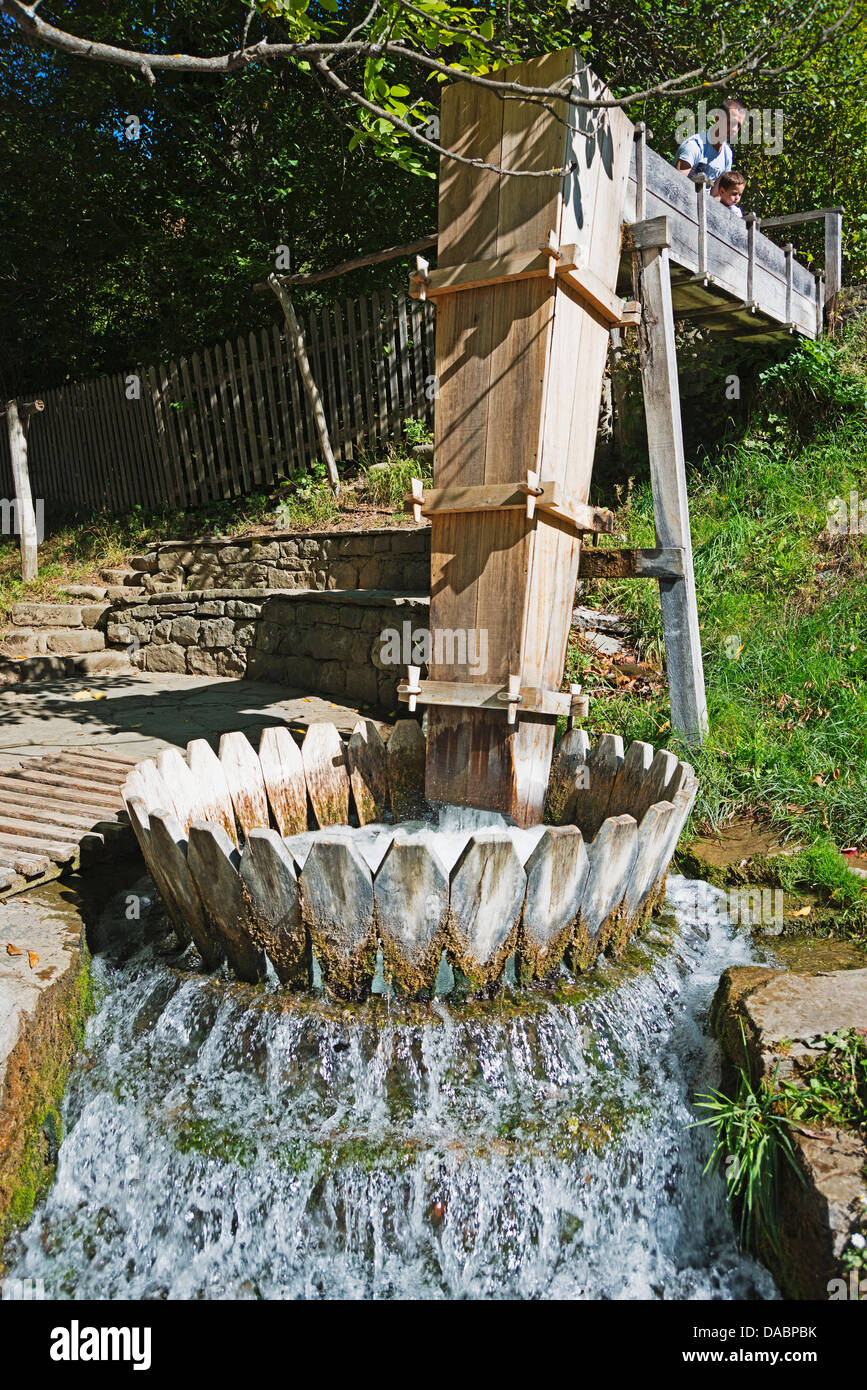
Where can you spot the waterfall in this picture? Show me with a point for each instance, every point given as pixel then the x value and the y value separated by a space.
pixel 225 1141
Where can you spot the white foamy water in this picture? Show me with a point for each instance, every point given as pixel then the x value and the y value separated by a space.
pixel 221 1146
pixel 447 832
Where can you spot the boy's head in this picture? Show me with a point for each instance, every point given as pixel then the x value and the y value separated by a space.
pixel 730 187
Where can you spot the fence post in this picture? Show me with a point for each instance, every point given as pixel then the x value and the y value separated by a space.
pixel 16 421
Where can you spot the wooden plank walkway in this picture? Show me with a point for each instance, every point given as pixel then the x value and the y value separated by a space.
pixel 59 811
pixel 725 273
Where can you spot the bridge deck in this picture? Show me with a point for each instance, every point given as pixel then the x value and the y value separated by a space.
pixel 722 285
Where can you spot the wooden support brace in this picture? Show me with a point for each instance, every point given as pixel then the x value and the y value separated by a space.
pixel 623 563
pixel 591 290
pixel 531 496
pixel 658 359
pixel 485 695
pixel 565 263
pixel 472 275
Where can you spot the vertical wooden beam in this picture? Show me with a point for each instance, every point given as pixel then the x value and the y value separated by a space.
pixel 833 254
pixel 640 171
pixel 24 511
pixel 701 212
pixel 790 259
pixel 820 302
pixel 750 221
pixel 651 240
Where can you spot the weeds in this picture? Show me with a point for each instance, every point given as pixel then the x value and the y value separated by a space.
pixel 752 1131
pixel 751 1145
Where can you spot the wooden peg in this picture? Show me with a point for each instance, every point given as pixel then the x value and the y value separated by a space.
pixel 533 491
pixel 579 708
pixel 631 315
pixel 412 689
pixel 417 499
pixel 421 279
pixel 551 249
pixel 514 698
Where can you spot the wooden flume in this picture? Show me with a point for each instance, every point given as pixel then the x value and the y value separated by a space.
pixel 525 295
pixel 212 830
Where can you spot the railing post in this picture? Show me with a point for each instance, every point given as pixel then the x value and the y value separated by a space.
pixel 820 302
pixel 640 171
pixel 700 184
pixel 790 255
pixel 833 254
pixel 752 222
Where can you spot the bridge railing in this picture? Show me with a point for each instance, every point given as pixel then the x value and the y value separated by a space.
pixel 722 251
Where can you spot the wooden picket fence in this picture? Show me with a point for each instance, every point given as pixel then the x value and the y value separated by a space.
pixel 234 418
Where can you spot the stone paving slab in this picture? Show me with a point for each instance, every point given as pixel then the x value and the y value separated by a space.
pixel 143 713
pixel 51 928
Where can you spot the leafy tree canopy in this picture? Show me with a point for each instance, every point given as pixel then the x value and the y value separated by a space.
pixel 139 206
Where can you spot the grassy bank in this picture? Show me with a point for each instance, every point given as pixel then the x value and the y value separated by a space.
pixel 782 602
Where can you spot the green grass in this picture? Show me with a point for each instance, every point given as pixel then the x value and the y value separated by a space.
pixel 783 615
pixel 751 1145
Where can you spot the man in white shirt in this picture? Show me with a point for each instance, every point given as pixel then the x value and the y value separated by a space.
pixel 711 154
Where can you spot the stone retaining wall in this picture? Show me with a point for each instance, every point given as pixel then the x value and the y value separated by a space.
pixel 389 558
pixel 322 641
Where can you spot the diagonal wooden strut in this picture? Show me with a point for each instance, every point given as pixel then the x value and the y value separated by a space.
pixel 651 240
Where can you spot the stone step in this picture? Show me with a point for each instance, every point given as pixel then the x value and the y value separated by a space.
pixel 62 641
pixel 53 668
pixel 145 564
pixel 88 591
pixel 116 591
pixel 58 615
pixel 120 574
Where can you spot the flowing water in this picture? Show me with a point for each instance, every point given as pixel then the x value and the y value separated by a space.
pixel 223 1141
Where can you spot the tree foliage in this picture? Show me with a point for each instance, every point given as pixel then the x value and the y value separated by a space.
pixel 124 250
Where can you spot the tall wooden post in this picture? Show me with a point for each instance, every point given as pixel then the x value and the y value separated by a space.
pixel 524 293
pixel 651 240
pixel 16 421
pixel 833 254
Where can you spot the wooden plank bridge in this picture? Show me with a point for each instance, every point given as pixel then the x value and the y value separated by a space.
pixel 725 273
pixel 60 812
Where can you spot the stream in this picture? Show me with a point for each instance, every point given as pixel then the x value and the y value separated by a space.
pixel 226 1141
